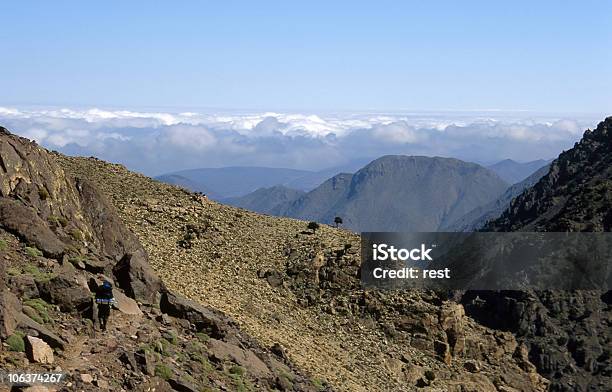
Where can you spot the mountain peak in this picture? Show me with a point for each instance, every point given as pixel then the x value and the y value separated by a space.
pixel 397 193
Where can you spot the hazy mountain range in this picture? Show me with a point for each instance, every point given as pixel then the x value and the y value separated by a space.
pixel 266 200
pixel 513 172
pixel 231 182
pixel 479 216
pixel 392 193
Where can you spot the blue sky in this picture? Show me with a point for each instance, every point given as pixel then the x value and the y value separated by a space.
pixel 546 56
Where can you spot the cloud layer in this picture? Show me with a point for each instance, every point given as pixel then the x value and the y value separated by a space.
pixel 159 142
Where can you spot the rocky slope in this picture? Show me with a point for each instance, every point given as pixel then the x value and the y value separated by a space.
pixel 59 237
pixel 568 333
pixel 575 195
pixel 399 193
pixel 300 293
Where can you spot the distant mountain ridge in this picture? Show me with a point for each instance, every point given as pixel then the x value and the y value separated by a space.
pixel 514 172
pixel 265 199
pixel 478 217
pixel 236 181
pixel 186 183
pixel 398 193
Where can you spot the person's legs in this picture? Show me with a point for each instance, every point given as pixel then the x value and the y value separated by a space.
pixel 103 313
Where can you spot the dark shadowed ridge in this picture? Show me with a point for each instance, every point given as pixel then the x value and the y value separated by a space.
pixel 568 333
pixel 575 195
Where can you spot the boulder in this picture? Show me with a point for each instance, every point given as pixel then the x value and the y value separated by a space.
pixel 128 359
pixel 452 322
pixel 471 366
pixel 38 351
pixel 111 235
pixel 49 337
pixel 442 350
pixel 24 286
pixel 23 221
pixel 30 312
pixel 146 360
pixel 125 304
pixel 102 384
pixel 225 351
pixel 279 351
pixel 95 265
pixel 136 278
pixel 283 384
pixel 213 322
pixel 10 308
pixel 65 291
pixel 180 384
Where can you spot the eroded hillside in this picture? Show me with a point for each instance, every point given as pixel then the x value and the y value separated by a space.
pixel 300 292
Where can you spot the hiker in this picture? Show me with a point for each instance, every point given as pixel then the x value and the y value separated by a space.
pixel 104 300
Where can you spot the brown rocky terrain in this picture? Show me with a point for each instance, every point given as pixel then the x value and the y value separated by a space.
pixel 299 292
pixel 59 237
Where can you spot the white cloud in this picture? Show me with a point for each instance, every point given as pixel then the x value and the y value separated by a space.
pixel 397 132
pixel 189 136
pixel 155 142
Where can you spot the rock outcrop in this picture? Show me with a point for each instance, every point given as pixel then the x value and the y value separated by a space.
pixel 38 351
pixel 327 278
pixel 575 195
pixel 567 334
